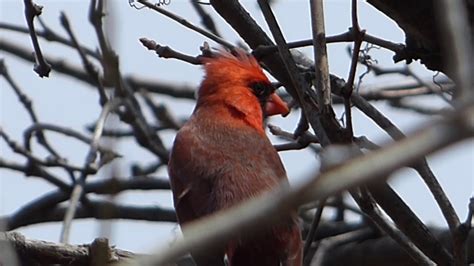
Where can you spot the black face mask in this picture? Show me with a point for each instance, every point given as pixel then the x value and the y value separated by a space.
pixel 262 90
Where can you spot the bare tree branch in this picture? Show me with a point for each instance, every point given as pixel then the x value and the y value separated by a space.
pixel 320 55
pixel 45 208
pixel 89 163
pixel 31 11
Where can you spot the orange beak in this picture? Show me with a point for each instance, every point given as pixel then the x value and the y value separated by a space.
pixel 276 105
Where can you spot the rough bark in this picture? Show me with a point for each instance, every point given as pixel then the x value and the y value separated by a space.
pixel 420 22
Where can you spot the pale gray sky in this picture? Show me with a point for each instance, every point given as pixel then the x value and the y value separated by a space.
pixel 69 103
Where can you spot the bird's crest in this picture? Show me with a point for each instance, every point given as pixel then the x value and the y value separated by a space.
pixel 233 67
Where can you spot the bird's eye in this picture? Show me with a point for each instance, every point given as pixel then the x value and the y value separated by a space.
pixel 261 89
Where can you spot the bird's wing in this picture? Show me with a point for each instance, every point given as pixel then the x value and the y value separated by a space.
pixel 191 191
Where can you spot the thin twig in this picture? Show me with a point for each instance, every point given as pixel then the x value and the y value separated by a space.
pixel 28 105
pixel 187 24
pixel 30 131
pixel 302 141
pixel 58 64
pixel 428 85
pixel 162 113
pixel 77 72
pixel 32 169
pixel 31 11
pixel 133 115
pixel 298 84
pixel 48 34
pixel 49 162
pixel 347 92
pixel 312 232
pixel 395 92
pixel 152 86
pixel 416 107
pixel 347 36
pixel 76 193
pixel 137 169
pixel 168 52
pixel 88 66
pixel 206 19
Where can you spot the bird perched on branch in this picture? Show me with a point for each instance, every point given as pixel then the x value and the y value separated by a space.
pixel 222 157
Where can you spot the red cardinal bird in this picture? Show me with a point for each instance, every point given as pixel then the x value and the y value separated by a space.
pixel 222 157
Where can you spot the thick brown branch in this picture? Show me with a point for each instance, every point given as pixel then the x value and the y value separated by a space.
pixel 105 210
pixel 36 252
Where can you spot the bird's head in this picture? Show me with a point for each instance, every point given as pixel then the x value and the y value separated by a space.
pixel 238 80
